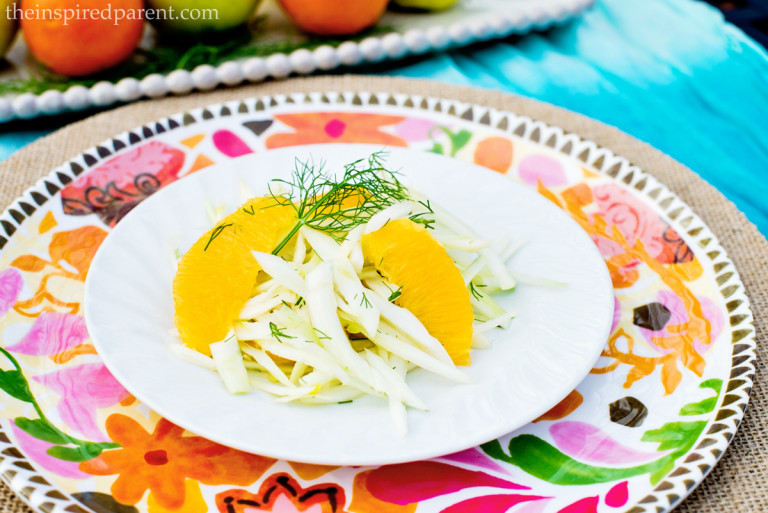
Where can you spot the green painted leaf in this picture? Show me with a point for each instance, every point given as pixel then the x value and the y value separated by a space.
pixel 704 406
pixel 459 140
pixel 678 436
pixel 85 452
pixel 42 430
pixel 106 445
pixel 437 148
pixel 714 384
pixel 540 459
pixel 15 384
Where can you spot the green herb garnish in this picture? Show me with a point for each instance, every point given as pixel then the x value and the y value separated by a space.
pixel 420 216
pixel 324 336
pixel 477 295
pixel 277 333
pixel 396 294
pixel 215 233
pixel 337 205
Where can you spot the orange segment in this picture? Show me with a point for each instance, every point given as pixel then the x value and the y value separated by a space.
pixel 216 276
pixel 432 287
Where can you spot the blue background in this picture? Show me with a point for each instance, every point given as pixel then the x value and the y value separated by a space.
pixel 672 73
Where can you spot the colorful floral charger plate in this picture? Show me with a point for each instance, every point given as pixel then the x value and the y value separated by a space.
pixel 555 339
pixel 638 434
pixel 398 35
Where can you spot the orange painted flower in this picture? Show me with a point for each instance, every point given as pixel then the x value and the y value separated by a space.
pixel 335 127
pixel 162 461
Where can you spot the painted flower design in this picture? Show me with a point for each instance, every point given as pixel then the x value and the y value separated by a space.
pixel 161 462
pixel 282 493
pixel 37 450
pixel 415 129
pixel 11 284
pixel 83 390
pixel 71 253
pixel 112 189
pixel 661 318
pixel 400 488
pixel 52 333
pixel 636 221
pixel 335 127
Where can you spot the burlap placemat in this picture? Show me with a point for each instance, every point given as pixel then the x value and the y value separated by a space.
pixel 740 480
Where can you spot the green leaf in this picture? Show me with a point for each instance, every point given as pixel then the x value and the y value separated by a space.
pixel 106 445
pixel 42 430
pixel 714 384
pixel 666 465
pixel 678 436
pixel 437 148
pixel 459 140
pixel 540 459
pixel 705 405
pixel 85 452
pixel 15 384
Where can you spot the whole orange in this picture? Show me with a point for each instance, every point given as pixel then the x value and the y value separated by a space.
pixel 334 17
pixel 80 37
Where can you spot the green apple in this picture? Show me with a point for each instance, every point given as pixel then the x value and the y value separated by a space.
pixel 195 16
pixel 9 25
pixel 428 5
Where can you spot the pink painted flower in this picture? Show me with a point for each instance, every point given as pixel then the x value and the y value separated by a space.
pixel 490 503
pixel 679 315
pixel 415 129
pixel 11 284
pixel 638 221
pixel 113 188
pixel 52 333
pixel 544 169
pixel 616 313
pixel 618 495
pixel 585 505
pixel 476 457
pixel 83 390
pixel 35 450
pixel 406 483
pixel 588 443
pixel 230 144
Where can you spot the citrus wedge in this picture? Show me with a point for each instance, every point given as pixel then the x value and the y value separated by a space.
pixel 432 287
pixel 216 276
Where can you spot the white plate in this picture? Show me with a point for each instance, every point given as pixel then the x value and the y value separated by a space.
pixel 549 348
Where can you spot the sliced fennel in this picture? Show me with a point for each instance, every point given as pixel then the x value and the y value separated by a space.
pixel 322 327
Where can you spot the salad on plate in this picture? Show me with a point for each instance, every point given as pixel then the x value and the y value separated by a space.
pixel 335 286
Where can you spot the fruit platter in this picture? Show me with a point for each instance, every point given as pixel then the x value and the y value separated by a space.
pixel 177 46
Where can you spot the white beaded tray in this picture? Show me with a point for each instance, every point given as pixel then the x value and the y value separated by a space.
pixel 468 22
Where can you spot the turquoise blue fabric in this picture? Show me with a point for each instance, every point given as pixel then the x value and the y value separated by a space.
pixel 12 141
pixel 669 72
pixel 672 73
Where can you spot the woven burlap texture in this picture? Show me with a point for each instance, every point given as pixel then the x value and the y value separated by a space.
pixel 739 483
